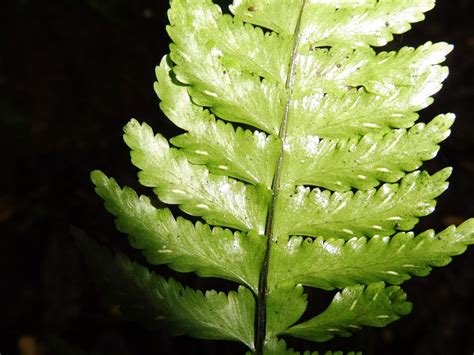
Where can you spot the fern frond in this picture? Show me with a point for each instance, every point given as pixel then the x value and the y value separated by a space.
pixel 238 153
pixel 333 263
pixel 355 306
pixel 345 215
pixel 149 298
pixel 340 22
pixel 184 247
pixel 335 70
pixel 356 113
pixel 213 82
pixel 246 47
pixel 218 199
pixel 303 139
pixel 362 163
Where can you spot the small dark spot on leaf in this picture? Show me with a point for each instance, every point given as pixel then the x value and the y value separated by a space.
pixel 252 8
pixel 387 24
pixel 338 65
pixel 357 87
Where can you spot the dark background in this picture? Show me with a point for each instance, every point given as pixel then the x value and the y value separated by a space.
pixel 72 73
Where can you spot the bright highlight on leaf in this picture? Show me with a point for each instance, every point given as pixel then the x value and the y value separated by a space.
pixel 300 161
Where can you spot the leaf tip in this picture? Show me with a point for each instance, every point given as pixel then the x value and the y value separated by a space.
pixel 98 177
pixel 467 229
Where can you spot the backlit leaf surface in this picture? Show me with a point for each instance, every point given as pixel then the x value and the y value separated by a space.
pixel 299 166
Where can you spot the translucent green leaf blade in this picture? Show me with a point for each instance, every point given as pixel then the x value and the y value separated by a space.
pixel 218 199
pixel 178 243
pixel 302 138
pixel 214 81
pixel 354 307
pixel 251 157
pixel 360 23
pixel 278 16
pixel 356 113
pixel 337 264
pixel 345 215
pixel 239 45
pixel 351 23
pixel 344 93
pixel 336 70
pixel 340 165
pixel 150 298
pixel 286 303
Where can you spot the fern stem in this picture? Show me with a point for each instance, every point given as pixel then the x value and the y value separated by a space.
pixel 261 316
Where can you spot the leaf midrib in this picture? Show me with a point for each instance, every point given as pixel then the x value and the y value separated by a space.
pixel 276 186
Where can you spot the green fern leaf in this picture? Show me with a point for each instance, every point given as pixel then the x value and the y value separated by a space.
pixel 340 22
pixel 151 299
pixel 300 160
pixel 352 308
pixel 182 246
pixel 334 263
pixel 241 154
pixel 366 213
pixel 218 199
pixel 362 163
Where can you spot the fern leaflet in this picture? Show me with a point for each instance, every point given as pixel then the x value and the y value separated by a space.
pixel 300 159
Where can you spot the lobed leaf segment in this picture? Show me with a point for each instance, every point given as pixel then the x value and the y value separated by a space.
pixel 300 161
